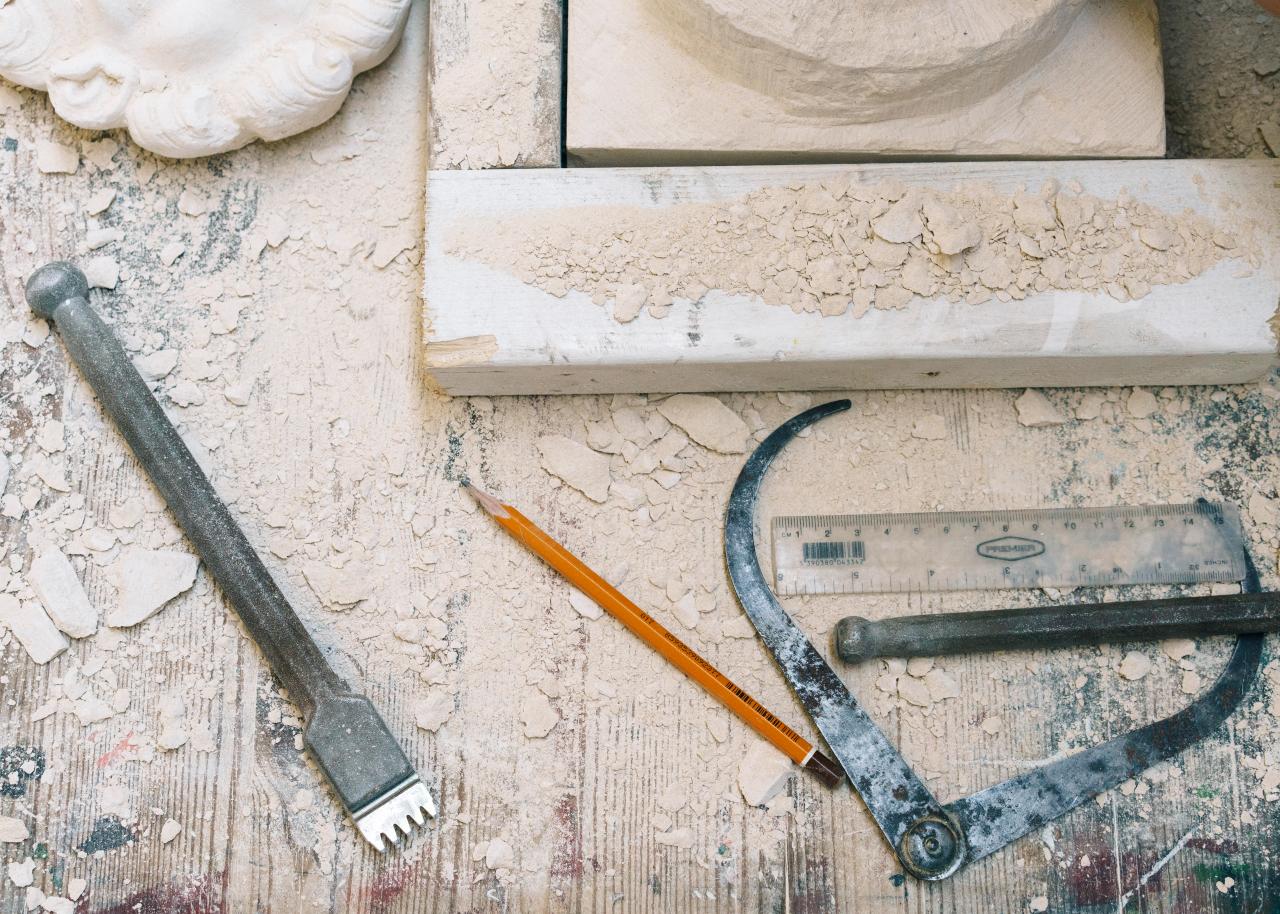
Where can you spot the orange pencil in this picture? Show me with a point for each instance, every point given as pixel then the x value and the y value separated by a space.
pixel 649 630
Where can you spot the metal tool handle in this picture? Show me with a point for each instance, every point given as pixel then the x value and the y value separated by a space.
pixel 59 292
pixel 1036 627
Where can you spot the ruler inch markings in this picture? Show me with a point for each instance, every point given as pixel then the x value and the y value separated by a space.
pixel 991 550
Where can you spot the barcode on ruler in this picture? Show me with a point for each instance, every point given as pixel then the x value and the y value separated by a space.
pixel 834 551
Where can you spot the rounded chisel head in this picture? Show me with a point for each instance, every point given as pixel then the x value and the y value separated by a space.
pixel 53 284
pixel 853 640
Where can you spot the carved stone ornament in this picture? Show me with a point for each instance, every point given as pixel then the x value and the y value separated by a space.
pixel 196 77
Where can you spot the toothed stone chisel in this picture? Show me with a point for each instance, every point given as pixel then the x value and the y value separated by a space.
pixel 348 738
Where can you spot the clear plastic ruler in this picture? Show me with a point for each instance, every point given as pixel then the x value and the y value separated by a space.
pixel 992 550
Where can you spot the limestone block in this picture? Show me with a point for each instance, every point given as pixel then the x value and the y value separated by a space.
pixel 712 81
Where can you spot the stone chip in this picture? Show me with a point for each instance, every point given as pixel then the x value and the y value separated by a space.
pixel 147 579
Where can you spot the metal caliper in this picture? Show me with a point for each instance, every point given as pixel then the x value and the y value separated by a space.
pixel 932 840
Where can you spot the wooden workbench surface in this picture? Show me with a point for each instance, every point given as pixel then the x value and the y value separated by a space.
pixel 295 311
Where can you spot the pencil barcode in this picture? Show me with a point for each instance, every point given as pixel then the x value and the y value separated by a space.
pixel 762 711
pixel 835 551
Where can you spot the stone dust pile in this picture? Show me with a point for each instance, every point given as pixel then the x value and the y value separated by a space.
pixel 838 247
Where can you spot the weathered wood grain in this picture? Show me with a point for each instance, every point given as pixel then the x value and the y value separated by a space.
pixel 489 333
pixel 580 807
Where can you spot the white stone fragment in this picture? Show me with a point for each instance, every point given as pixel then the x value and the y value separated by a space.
pixel 277 230
pixel 56 159
pixel 686 611
pixel 76 887
pixel 1157 237
pixel 1090 405
pixel 674 798
pixel 126 514
pixel 1177 648
pixel 36 332
pixel 98 539
pixel 339 588
pixel 50 473
pixel 156 365
pixel 1142 403
pixel 629 301
pixel 929 428
pixel 583 605
pixel 677 837
pixel 238 394
pixel 13 831
pixel 102 272
pixel 226 315
pixel 100 201
pixel 173 723
pixel 762 773
pixel 914 691
pixel 953 238
pixel 91 710
pixel 52 437
pixel 1263 510
pixel 901 223
pixel 499 855
pixel 941 684
pixel 537 715
pixel 186 393
pixel 919 666
pixel 1135 665
pixel 576 464
pixel 1035 410
pixel 32 627
pixel 707 421
pixel 101 237
pixel 22 874
pixel 191 203
pixel 54 904
pixel 48 709
pixel 433 711
pixel 147 579
pixel 169 830
pixel 170 253
pixel 59 590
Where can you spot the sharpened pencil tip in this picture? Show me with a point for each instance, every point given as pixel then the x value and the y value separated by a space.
pixel 485 500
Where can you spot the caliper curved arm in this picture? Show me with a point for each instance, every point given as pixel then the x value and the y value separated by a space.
pixel 931 840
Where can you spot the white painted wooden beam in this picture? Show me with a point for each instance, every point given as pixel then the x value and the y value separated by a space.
pixel 488 333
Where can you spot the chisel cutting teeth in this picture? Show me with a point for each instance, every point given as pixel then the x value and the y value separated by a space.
pixel 383 821
pixel 370 773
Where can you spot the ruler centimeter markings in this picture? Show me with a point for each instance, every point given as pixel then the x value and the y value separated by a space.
pixel 994 550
